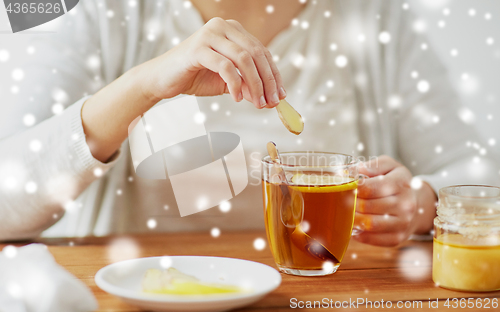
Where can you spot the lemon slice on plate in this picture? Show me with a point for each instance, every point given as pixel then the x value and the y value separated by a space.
pixel 252 279
pixel 174 282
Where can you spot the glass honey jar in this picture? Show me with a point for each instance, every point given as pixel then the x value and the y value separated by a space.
pixel 466 250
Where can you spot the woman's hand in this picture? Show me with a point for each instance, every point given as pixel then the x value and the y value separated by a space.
pixel 207 63
pixel 388 208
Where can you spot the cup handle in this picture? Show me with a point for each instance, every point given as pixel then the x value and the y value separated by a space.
pixel 358 226
pixel 362 179
pixel 356 231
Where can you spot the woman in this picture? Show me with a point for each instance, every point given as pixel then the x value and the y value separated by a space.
pixel 344 65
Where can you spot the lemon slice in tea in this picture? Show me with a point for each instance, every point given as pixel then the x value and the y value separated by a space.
pixel 319 179
pixel 322 183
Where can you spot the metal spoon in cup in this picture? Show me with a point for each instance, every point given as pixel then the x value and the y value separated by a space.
pixel 294 210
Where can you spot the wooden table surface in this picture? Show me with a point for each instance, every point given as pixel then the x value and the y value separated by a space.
pixel 367 272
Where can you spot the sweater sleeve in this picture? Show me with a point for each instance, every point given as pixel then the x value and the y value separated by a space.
pixel 421 120
pixel 44 169
pixel 435 136
pixel 45 166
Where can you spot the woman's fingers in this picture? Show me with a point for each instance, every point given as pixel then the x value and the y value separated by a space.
pixel 225 68
pixel 384 205
pixel 378 187
pixel 385 185
pixel 382 239
pixel 397 205
pixel 259 78
pixel 379 166
pixel 277 76
pixel 260 54
pixel 245 64
pixel 371 223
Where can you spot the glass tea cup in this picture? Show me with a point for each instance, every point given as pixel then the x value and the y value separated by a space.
pixel 309 217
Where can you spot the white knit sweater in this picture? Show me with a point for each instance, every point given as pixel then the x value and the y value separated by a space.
pixel 369 105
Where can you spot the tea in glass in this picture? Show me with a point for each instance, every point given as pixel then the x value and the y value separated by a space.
pixel 309 218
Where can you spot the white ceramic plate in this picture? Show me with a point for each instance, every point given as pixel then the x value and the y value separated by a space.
pixel 123 279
